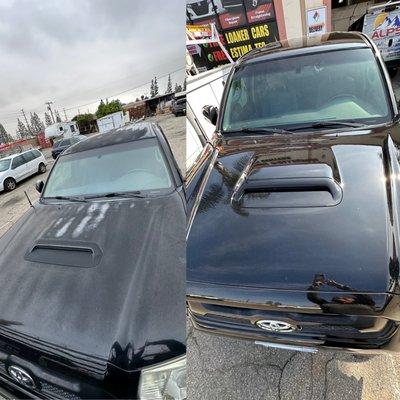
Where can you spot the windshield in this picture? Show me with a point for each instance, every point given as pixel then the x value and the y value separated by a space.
pixel 343 85
pixel 127 167
pixel 4 165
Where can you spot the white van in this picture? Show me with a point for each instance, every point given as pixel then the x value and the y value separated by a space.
pixel 17 167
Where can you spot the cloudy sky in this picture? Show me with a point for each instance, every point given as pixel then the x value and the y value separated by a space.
pixel 75 52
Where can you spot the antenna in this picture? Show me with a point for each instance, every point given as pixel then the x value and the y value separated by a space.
pixel 29 200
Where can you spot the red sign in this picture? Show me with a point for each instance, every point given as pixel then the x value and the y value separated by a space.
pixel 260 13
pixel 230 20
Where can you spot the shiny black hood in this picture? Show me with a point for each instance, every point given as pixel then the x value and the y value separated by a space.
pixel 122 306
pixel 301 212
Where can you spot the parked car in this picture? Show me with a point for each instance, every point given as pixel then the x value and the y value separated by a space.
pixel 16 167
pixel 179 106
pixel 294 214
pixel 93 296
pixel 63 144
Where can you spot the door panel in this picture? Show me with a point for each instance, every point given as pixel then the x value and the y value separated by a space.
pixel 19 168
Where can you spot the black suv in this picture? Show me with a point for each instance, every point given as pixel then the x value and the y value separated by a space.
pixel 294 209
pixel 63 144
pixel 93 300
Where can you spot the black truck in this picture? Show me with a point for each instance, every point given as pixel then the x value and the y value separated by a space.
pixel 93 300
pixel 294 208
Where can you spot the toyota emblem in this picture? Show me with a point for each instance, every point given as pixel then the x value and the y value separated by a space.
pixel 276 326
pixel 21 376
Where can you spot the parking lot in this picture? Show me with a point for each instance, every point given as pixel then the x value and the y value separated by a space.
pixel 227 369
pixel 15 203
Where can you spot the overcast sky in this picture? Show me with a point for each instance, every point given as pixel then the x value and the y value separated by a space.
pixel 74 52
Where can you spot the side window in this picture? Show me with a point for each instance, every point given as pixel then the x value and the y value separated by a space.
pixel 17 162
pixel 66 142
pixel 28 156
pixel 72 128
pixel 36 154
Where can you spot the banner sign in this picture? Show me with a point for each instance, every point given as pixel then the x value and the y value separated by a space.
pixel 259 10
pixel 199 31
pixel 242 24
pixel 384 29
pixel 316 21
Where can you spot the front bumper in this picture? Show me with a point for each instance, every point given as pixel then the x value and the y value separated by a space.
pixel 356 329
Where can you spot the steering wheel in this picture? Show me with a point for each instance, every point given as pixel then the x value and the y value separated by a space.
pixel 342 96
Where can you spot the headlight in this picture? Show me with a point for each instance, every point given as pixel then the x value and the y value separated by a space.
pixel 165 381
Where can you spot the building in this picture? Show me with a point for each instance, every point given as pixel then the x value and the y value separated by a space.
pixel 247 24
pixel 145 108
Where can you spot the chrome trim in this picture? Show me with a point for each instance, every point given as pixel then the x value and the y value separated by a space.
pixel 304 349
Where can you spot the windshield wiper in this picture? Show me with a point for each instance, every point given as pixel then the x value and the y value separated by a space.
pixel 67 198
pixel 134 194
pixel 261 131
pixel 328 124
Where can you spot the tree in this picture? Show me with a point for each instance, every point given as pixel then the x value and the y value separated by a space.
pixel 152 89
pixel 58 118
pixel 4 136
pixel 178 88
pixel 109 108
pixel 22 130
pixel 184 85
pixel 155 87
pixel 37 125
pixel 169 85
pixel 47 119
pixel 86 122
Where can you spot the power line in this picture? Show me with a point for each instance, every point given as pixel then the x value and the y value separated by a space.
pixel 49 103
pixel 127 90
pixel 26 120
pixel 13 115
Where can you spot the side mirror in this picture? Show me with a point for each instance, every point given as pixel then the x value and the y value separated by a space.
pixel 39 186
pixel 211 114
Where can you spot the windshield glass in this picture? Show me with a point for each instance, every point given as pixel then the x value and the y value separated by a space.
pixel 127 167
pixel 333 86
pixel 4 165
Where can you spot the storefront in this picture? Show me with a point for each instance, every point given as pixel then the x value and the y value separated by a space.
pixel 247 24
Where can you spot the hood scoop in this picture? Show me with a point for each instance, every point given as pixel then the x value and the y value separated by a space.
pixel 287 186
pixel 65 253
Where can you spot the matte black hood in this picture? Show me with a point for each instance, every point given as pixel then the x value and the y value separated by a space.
pixel 301 212
pixel 123 305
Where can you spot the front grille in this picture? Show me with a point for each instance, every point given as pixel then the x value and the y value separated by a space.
pixel 361 331
pixel 46 389
pixel 56 392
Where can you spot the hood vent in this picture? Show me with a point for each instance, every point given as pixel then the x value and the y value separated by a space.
pixel 70 254
pixel 303 185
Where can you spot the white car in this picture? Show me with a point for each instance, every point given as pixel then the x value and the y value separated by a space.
pixel 19 166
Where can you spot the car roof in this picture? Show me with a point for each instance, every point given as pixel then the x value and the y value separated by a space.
pixel 304 45
pixel 125 134
pixel 11 156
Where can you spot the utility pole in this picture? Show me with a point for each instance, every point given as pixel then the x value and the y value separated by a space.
pixel 49 103
pixel 65 114
pixel 26 120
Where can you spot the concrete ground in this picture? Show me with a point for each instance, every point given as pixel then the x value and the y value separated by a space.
pixel 222 368
pixel 14 204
